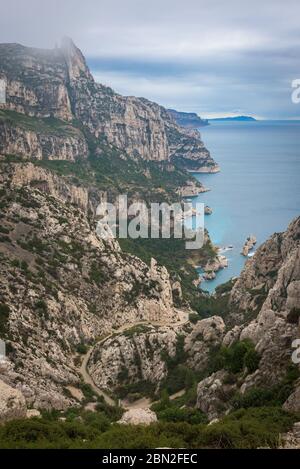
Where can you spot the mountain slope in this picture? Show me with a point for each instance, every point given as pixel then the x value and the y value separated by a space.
pixel 57 83
pixel 61 286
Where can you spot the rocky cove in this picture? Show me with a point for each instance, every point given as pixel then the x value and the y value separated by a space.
pixel 255 191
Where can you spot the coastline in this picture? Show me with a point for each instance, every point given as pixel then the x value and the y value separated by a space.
pixel 206 170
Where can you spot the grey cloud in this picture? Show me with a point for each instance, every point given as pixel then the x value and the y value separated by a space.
pixel 205 56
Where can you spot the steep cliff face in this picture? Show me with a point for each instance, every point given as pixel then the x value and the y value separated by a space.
pixel 265 304
pixel 60 286
pixel 36 81
pixel 31 138
pixel 133 357
pixel 20 175
pixel 59 84
pixel 256 284
pixel 149 354
pixel 278 321
pixel 191 120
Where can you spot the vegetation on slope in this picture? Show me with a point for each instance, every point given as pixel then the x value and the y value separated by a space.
pixel 46 125
pixel 244 428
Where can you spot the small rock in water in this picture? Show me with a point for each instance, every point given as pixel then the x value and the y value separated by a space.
pixel 249 244
pixel 208 210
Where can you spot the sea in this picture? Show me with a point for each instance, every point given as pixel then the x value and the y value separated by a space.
pixel 257 190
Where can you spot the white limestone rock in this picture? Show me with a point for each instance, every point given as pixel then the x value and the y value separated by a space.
pixel 138 417
pixel 12 403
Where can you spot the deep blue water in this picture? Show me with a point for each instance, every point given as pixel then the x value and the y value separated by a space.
pixel 258 189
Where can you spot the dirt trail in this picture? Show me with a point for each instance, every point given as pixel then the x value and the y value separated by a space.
pixel 140 403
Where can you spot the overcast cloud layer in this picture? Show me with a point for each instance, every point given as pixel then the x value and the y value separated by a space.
pixel 212 57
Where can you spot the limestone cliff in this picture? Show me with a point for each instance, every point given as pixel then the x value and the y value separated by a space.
pixel 146 354
pixel 57 83
pixel 30 138
pixel 133 357
pixel 190 120
pixel 265 309
pixel 36 81
pixel 60 286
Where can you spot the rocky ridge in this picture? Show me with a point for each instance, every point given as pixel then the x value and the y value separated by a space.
pixel 271 328
pixel 61 286
pixel 268 290
pixel 12 403
pixel 58 84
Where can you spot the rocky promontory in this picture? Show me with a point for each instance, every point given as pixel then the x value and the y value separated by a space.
pixel 57 84
pixel 249 245
pixel 213 266
pixel 191 189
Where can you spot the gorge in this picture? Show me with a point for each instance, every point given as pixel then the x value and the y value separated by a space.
pixel 126 315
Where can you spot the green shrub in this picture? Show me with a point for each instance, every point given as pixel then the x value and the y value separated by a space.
pixel 24 266
pixel 235 358
pixel 251 428
pixel 96 274
pixel 251 360
pixel 244 428
pixel 87 391
pixel 179 376
pixel 4 315
pixel 81 348
pixel 194 318
pixel 175 414
pixel 41 308
pixel 272 396
pixel 255 397
pixel 143 387
pixel 4 230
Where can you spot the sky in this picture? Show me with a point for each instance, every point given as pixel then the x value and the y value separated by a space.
pixel 213 57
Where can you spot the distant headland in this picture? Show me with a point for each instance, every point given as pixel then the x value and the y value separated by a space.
pixel 233 119
pixel 187 119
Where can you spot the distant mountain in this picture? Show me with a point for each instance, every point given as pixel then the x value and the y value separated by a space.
pixel 233 119
pixel 190 120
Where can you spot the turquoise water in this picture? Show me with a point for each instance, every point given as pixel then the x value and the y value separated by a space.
pixel 258 189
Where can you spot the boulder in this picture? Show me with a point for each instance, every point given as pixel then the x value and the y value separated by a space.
pixel 213 395
pixel 292 404
pixel 31 413
pixel 249 244
pixel 138 417
pixel 291 440
pixel 12 403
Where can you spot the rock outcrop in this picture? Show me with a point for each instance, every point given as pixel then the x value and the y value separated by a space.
pixel 141 354
pixel 292 404
pixel 265 307
pixel 275 260
pixel 58 84
pixel 138 417
pixel 12 403
pixel 213 266
pixel 191 189
pixel 61 286
pixel 191 120
pixel 249 245
pixel 133 357
pixel 208 210
pixel 213 395
pixel 36 81
pixel 291 440
pixel 42 141
pixel 205 335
